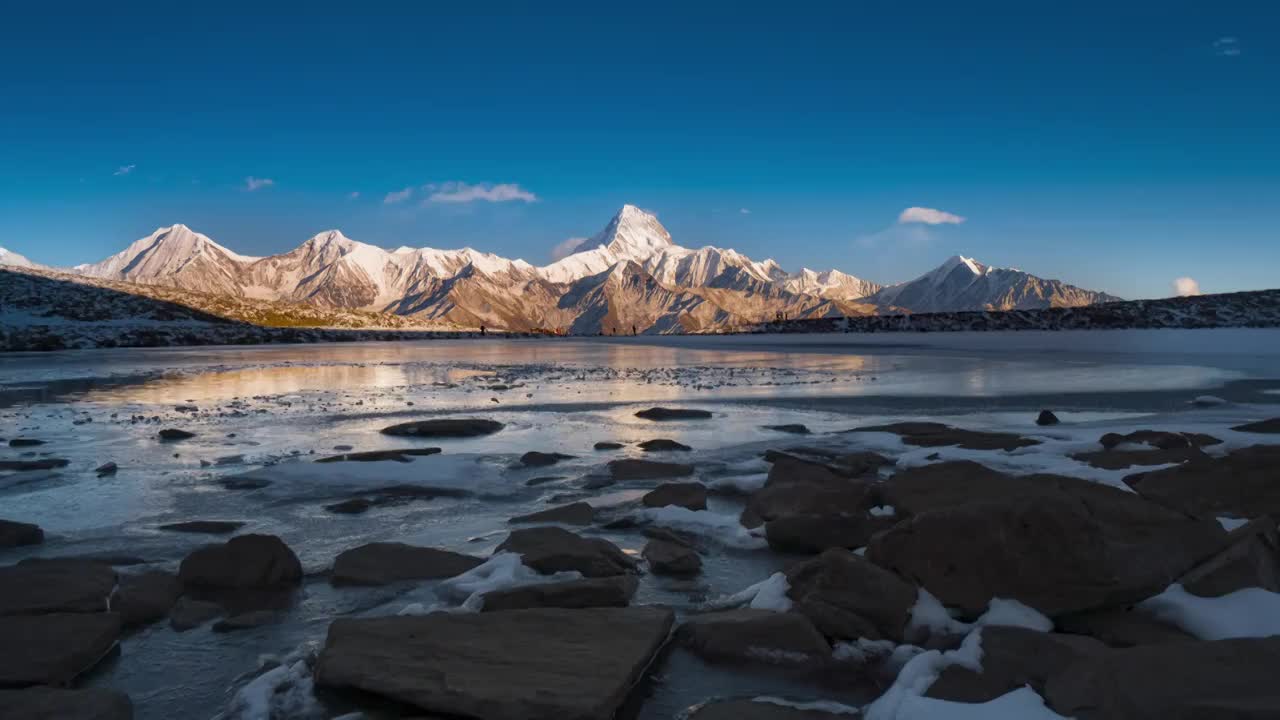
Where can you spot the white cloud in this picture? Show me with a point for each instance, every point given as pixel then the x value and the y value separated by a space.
pixel 353 194
pixel 912 237
pixel 1227 46
pixel 461 192
pixel 567 248
pixel 398 196
pixel 928 216
pixel 744 211
pixel 252 183
pixel 1185 286
pixel 124 169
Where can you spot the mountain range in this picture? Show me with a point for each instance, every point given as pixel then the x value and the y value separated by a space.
pixel 630 277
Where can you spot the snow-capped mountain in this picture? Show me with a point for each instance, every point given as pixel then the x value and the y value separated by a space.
pixel 631 275
pixel 962 283
pixel 13 259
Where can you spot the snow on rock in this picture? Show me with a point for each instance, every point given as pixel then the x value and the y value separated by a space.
pixel 928 614
pixel 883 511
pixel 1247 613
pixel 768 594
pixel 827 706
pixel 503 571
pixel 1208 401
pixel 284 691
pixel 1230 523
pixel 724 529
pixel 1011 613
pixel 907 691
pixel 743 484
pixel 1021 704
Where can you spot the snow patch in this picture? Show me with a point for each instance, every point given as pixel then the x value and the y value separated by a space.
pixel 744 484
pixel 768 594
pixel 1247 613
pixel 286 690
pixel 1230 523
pixel 724 529
pixel 503 571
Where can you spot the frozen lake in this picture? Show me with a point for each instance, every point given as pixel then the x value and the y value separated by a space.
pixel 267 412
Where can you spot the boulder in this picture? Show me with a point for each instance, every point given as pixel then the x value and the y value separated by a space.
pixel 207 527
pixel 851 465
pixel 813 533
pixel 513 665
pixel 1269 427
pixel 243 562
pixel 145 598
pixel 1239 484
pixel 551 549
pixel 542 480
pixel 759 635
pixel 31 465
pixel 1219 680
pixel 662 413
pixel 761 710
pixel 792 429
pixel 246 621
pixel 579 513
pixel 1046 417
pixel 801 487
pixel 188 614
pixel 54 649
pixel 541 459
pixel 1120 627
pixel 631 469
pixel 691 495
pixel 606 445
pixel 663 445
pixel 401 455
pixel 354 506
pixel 931 434
pixel 1012 657
pixel 615 591
pixel 1251 560
pixel 1159 439
pixel 445 428
pixel 1053 551
pixel 25 442
pixel 1120 459
pixel 848 598
pixel 14 534
pixel 382 563
pixel 107 468
pixel 46 703
pixel 669 558
pixel 63 586
pixel 171 434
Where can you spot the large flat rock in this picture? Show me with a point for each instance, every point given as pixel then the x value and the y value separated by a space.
pixel 43 703
pixel 541 664
pixel 53 649
pixel 388 562
pixel 62 586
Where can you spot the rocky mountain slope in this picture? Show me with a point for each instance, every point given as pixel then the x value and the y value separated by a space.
pixel 630 277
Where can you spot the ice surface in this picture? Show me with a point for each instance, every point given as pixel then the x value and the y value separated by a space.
pixel 724 529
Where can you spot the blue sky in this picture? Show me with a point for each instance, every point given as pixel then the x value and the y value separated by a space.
pixel 1117 146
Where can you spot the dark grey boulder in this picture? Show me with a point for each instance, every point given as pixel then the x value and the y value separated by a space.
pixel 754 635
pixel 691 495
pixel 65 586
pixel 662 413
pixel 243 562
pixel 445 428
pixel 204 527
pixel 615 591
pixel 551 549
pixel 54 649
pixel 631 469
pixel 669 558
pixel 14 534
pixel 46 703
pixel 387 562
pixel 146 597
pixel 579 513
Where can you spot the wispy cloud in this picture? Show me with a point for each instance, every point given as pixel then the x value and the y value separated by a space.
pixel 567 248
pixel 1227 46
pixel 896 236
pixel 252 183
pixel 353 194
pixel 460 192
pixel 1185 286
pixel 398 196
pixel 928 216
pixel 124 169
pixel 744 211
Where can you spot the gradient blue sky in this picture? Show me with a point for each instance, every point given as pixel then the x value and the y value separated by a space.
pixel 1114 145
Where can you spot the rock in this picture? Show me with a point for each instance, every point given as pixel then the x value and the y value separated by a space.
pixel 14 534
pixel 1271 427
pixel 662 413
pixel 1220 680
pixel 246 621
pixel 668 558
pixel 663 445
pixel 445 428
pixel 630 469
pixel 801 487
pixel 689 495
pixel 1051 550
pixel 615 591
pixel 108 559
pixel 31 465
pixel 1251 560
pixel 579 513
pixel 551 549
pixel 794 429
pixel 45 703
pixel 848 598
pixel 608 446
pixel 1119 627
pixel 54 649
pixel 206 527
pixel 534 482
pixel 931 434
pixel 1046 417
pixel 541 459
pixel 383 563
pixel 761 710
pixel 25 442
pixel 402 455
pixel 188 614
pixel 1159 439
pixel 760 635
pixel 55 587
pixel 108 468
pixel 513 665
pixel 243 483
pixel 812 533
pixel 145 598
pixel 1239 484
pixel 354 506
pixel 594 482
pixel 243 562
pixel 171 434
pixel 1118 459
pixel 1012 657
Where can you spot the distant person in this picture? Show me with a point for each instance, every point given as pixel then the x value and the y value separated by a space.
pixel 482 331
pixel 633 330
